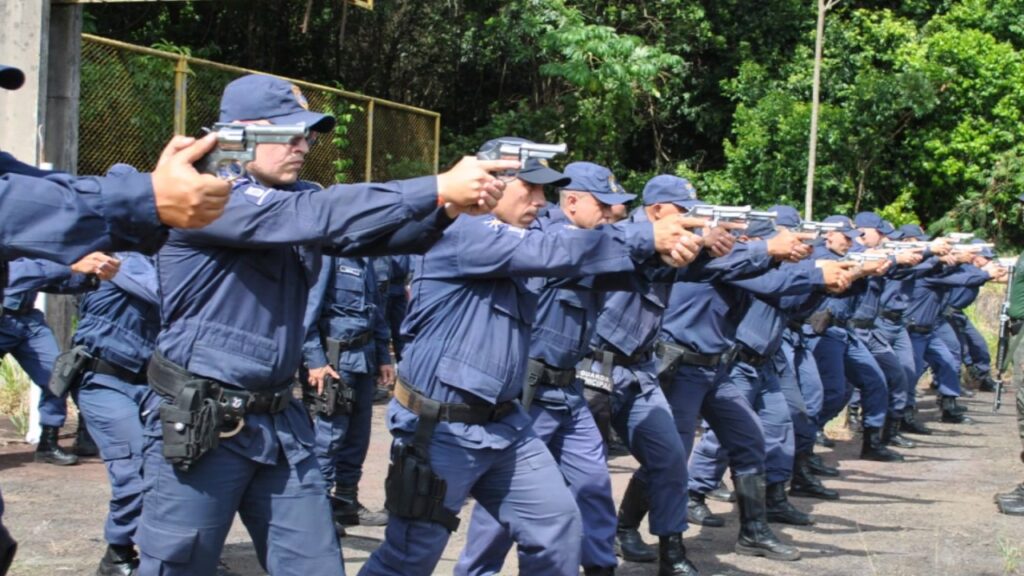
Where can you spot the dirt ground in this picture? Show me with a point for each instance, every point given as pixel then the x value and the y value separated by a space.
pixel 932 515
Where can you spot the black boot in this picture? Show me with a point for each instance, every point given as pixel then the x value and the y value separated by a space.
pixel 672 559
pixel 1012 502
pixel 628 542
pixel 872 448
pixel 120 560
pixel 779 508
pixel 8 547
pixel 722 494
pixel 49 452
pixel 910 425
pixel 84 445
pixel 697 512
pixel 806 484
pixel 348 511
pixel 818 467
pixel 599 570
pixel 756 538
pixel 987 383
pixel 950 404
pixel 952 413
pixel 891 434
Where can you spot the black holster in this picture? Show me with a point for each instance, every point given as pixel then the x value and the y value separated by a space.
pixel 191 425
pixel 412 489
pixel 337 397
pixel 68 369
pixel 669 358
pixel 820 321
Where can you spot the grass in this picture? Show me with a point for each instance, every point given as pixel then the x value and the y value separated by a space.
pixel 14 385
pixel 1012 555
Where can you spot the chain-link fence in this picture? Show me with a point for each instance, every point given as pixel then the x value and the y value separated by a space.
pixel 135 98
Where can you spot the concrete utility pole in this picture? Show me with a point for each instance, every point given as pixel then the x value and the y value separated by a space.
pixel 819 42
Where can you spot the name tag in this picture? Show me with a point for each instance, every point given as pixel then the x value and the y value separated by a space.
pixel 595 380
pixel 350 271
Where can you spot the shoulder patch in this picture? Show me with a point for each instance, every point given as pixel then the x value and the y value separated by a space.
pixel 256 194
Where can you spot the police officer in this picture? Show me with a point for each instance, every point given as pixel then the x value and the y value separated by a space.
pixel 459 429
pixel 117 328
pixel 58 216
pixel 622 365
pixel 842 357
pixel 25 335
pixel 958 332
pixel 755 373
pixel 891 326
pixel 698 338
pixel 559 338
pixel 346 348
pixel 223 432
pixel 922 316
pixel 864 324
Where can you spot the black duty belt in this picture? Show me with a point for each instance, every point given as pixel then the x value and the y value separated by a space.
pixel 548 376
pixel 919 329
pixel 689 356
pixel 169 379
pixel 336 347
pixel 893 316
pixel 101 366
pixel 748 356
pixel 418 404
pixel 18 311
pixel 861 323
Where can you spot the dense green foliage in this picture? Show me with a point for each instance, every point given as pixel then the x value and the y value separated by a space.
pixel 922 111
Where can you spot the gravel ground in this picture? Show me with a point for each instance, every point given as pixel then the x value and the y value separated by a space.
pixel 932 515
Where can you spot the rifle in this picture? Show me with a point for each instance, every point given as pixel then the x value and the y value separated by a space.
pixel 236 145
pixel 733 214
pixel 1005 333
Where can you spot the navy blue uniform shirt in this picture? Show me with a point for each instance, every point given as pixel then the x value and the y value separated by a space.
pixel 470 315
pixel 61 217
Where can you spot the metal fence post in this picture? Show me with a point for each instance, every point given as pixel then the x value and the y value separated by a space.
pixel 180 94
pixel 369 141
pixel 437 143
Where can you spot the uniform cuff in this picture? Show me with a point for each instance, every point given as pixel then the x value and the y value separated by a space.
pixel 129 207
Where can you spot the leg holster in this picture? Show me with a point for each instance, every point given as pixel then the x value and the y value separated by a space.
pixel 412 489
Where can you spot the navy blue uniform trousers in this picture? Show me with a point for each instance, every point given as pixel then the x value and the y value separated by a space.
pixel 575 442
pixel 761 388
pixel 696 391
pixel 112 407
pixel 342 440
pixel 29 339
